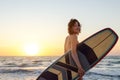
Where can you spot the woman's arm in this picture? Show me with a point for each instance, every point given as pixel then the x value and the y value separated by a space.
pixel 74 43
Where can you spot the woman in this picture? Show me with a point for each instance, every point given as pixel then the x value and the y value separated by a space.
pixel 71 41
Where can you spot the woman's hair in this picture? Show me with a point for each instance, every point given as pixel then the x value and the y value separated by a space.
pixel 71 24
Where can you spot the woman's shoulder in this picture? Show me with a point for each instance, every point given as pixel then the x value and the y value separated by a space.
pixel 73 36
pixel 67 37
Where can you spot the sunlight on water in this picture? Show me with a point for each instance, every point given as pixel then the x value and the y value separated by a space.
pixel 29 68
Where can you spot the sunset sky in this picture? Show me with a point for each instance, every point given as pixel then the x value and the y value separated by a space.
pixel 43 24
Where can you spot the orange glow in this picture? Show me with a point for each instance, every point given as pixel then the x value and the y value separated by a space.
pixel 35 48
pixel 32 49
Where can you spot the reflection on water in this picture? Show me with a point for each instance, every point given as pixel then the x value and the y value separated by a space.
pixel 12 68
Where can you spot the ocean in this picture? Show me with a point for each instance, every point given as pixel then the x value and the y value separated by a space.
pixel 29 68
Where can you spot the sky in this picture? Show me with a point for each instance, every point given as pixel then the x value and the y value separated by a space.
pixel 43 24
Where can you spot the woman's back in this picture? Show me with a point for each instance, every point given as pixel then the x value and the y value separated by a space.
pixel 67 45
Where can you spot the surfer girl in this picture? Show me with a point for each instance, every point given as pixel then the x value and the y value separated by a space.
pixel 71 41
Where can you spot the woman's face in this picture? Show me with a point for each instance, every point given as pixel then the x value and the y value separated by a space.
pixel 76 28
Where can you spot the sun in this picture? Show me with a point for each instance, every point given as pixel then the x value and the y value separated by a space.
pixel 31 49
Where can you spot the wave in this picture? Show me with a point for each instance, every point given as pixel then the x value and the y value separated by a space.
pixel 42 61
pixel 22 64
pixel 102 74
pixel 15 71
pixel 114 62
pixel 113 57
pixel 10 64
pixel 16 65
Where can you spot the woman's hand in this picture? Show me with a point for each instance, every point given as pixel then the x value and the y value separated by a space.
pixel 81 71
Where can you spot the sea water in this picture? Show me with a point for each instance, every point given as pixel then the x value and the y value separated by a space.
pixel 29 68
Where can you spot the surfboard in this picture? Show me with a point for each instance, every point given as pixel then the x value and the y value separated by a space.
pixel 90 51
